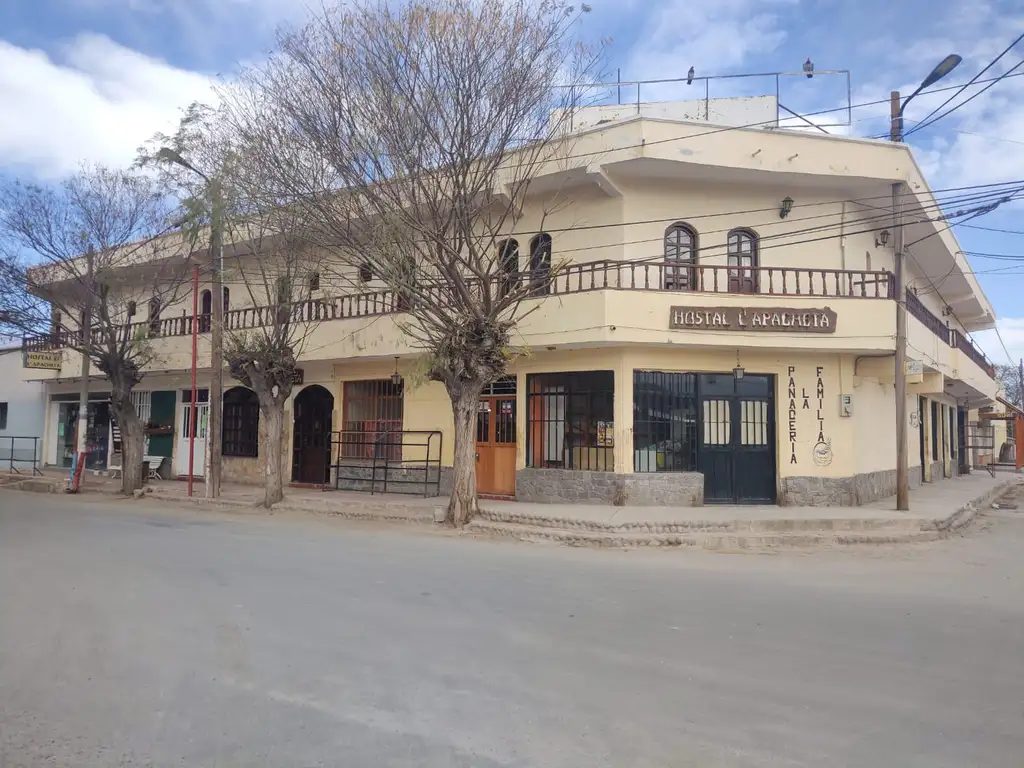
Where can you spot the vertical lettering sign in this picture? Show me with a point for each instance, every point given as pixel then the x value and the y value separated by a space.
pixel 792 414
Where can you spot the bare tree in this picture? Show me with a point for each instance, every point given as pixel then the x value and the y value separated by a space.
pixel 81 258
pixel 212 171
pixel 1009 377
pixel 409 136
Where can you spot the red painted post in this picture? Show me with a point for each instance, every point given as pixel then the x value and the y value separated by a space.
pixel 193 420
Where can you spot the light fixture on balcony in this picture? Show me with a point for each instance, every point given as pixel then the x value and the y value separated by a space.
pixel 883 239
pixel 787 206
pixel 396 377
pixel 738 372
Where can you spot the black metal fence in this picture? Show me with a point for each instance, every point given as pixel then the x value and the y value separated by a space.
pixel 16 451
pixel 400 461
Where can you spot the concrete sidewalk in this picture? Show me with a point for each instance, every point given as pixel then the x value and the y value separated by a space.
pixel 936 509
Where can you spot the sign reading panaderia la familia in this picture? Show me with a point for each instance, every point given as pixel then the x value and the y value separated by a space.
pixel 785 319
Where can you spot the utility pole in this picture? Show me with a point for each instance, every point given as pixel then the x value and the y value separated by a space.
pixel 85 328
pixel 902 463
pixel 213 433
pixel 895 117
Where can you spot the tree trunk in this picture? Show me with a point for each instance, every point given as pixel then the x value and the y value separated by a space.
pixel 132 442
pixel 463 503
pixel 271 429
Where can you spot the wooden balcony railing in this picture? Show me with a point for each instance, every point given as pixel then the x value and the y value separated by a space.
pixel 967 346
pixel 948 335
pixel 671 277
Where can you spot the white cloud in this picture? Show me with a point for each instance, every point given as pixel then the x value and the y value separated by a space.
pixel 1012 331
pixel 714 38
pixel 96 101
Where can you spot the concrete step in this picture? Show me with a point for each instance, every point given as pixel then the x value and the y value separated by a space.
pixel 369 509
pixel 716 541
pixel 709 525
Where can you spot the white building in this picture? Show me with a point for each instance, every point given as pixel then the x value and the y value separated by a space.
pixel 22 412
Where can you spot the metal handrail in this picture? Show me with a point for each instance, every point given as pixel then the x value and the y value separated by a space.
pixel 35 461
pixel 376 460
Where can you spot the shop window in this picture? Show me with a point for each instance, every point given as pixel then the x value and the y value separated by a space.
pixel 664 421
pixel 508 265
pixel 743 261
pixel 372 418
pixel 570 420
pixel 241 423
pixel 680 258
pixel 540 264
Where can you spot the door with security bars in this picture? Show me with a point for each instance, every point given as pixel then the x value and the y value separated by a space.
pixel 736 448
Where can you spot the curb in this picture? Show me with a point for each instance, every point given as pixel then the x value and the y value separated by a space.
pixel 966 514
pixel 716 542
pixel 779 525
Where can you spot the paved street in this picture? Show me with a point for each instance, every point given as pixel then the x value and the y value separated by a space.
pixel 136 635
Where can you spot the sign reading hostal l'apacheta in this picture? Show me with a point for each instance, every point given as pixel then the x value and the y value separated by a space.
pixel 778 319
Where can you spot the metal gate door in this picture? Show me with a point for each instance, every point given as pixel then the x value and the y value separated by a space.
pixel 736 452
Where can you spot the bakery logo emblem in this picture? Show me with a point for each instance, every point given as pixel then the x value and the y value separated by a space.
pixel 822 453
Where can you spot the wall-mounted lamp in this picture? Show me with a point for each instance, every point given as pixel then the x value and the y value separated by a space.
pixel 787 206
pixel 396 377
pixel 883 238
pixel 738 372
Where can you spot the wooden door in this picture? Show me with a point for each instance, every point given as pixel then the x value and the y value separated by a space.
pixel 496 446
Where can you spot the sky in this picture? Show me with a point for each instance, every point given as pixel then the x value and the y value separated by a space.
pixel 90 80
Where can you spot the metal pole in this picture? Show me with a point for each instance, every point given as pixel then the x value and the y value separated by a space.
pixel 213 433
pixel 192 420
pixel 618 83
pixel 81 439
pixel 902 464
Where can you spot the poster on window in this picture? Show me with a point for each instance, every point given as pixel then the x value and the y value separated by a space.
pixel 605 434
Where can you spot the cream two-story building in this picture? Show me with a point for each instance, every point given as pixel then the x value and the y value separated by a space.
pixel 722 330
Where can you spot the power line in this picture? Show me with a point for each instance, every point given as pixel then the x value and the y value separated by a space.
pixel 966 101
pixel 920 123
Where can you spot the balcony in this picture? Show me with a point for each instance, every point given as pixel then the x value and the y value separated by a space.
pixel 664 278
pixel 949 336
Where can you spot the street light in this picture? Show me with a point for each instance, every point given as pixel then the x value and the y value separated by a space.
pixel 941 69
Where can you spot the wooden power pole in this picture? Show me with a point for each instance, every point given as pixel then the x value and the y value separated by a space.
pixel 213 434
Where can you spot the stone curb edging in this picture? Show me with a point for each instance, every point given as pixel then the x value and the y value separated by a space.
pixel 708 541
pixel 965 515
pixel 348 512
pixel 781 525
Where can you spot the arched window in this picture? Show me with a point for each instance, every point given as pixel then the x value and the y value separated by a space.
pixel 680 258
pixel 508 265
pixel 154 316
pixel 540 264
pixel 241 423
pixel 205 311
pixel 743 261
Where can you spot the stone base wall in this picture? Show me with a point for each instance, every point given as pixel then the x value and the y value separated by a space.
pixel 239 469
pixel 842 491
pixel 400 480
pixel 646 489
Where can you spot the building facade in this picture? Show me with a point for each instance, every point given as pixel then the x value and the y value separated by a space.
pixel 719 326
pixel 22 406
